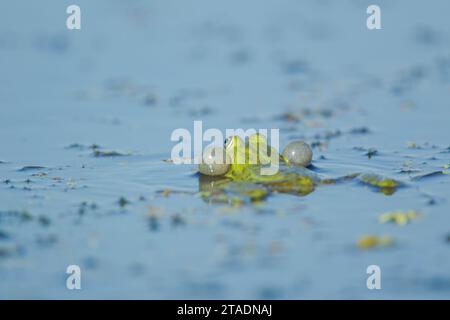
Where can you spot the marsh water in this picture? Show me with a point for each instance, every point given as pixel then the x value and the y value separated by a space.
pixel 86 119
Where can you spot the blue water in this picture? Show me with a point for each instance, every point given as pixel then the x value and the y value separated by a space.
pixel 138 70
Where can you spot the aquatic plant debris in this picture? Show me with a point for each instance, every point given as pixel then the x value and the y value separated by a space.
pixel 400 218
pixel 4 235
pixel 386 185
pixel 30 168
pixel 431 174
pixel 15 215
pixel 123 202
pixel 371 153
pixel 374 241
pixel 80 146
pixel 108 153
pixel 446 169
pixel 168 191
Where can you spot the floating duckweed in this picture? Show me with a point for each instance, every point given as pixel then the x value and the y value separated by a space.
pixel 446 169
pixel 298 153
pixel 379 181
pixel 373 241
pixel 386 185
pixel 339 179
pixel 398 217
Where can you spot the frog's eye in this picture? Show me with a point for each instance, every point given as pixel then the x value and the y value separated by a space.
pixel 228 141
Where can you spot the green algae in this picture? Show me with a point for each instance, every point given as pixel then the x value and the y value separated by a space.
pixel 373 241
pixel 400 218
pixel 383 184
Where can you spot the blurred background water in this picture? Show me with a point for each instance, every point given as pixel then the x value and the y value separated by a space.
pixel 137 70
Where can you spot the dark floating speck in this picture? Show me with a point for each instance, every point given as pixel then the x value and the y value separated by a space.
pixel 85 206
pixel 46 240
pixel 328 135
pixel 107 153
pixel 294 67
pixel 4 235
pixel 240 57
pixel 10 251
pixel 123 202
pixel 178 220
pixel 90 263
pixel 371 152
pixel 426 35
pixel 408 79
pixel 79 146
pixel 428 175
pixel 443 68
pixel 150 100
pixel 361 130
pixel 11 216
pixel 203 111
pixel 153 223
pixel 137 269
pixel 75 146
pixel 44 221
pixel 31 168
pixel 55 43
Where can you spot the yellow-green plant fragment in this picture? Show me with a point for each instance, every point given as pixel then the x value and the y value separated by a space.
pixel 376 180
pixel 398 217
pixel 373 241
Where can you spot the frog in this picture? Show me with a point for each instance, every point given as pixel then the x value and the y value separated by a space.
pixel 243 181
